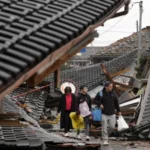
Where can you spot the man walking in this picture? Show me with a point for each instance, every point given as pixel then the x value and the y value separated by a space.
pixel 108 102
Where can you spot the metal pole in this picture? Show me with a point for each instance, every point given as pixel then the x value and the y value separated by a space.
pixel 139 32
pixel 137 44
pixel 137 26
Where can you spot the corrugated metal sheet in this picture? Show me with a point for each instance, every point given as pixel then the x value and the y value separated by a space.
pixel 145 105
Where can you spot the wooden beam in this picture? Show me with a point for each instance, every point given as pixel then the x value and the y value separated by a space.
pixel 39 76
pixel 57 78
pixel 126 111
pixel 1 107
pixel 110 78
pixel 122 88
pixel 123 85
pixel 120 72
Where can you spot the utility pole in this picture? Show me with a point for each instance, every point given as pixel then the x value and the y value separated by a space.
pixel 137 26
pixel 139 32
pixel 137 44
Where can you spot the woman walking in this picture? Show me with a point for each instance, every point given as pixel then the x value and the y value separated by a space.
pixel 67 105
pixel 83 97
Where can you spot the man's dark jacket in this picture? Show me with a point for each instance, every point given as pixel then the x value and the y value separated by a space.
pixel 109 101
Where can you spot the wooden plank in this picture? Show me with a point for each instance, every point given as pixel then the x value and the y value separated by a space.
pixel 123 85
pixel 122 88
pixel 110 78
pixel 1 107
pixel 14 123
pixel 120 72
pixel 57 79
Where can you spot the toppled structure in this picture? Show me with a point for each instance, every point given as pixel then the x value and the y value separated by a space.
pixel 19 130
pixel 141 130
pixel 38 36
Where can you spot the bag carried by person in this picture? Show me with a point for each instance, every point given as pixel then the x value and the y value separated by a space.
pixel 77 121
pixel 97 114
pixel 84 109
pixel 122 125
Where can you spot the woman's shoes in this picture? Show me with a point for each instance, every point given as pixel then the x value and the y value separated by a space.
pixel 87 138
pixel 78 136
pixel 105 143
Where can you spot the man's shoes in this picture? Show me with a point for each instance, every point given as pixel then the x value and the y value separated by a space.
pixel 66 134
pixel 87 138
pixel 105 143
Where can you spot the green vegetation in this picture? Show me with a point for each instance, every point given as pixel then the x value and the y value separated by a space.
pixel 140 68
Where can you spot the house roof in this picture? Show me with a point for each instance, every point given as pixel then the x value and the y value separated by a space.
pixel 32 30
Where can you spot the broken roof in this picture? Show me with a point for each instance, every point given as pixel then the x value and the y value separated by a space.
pixel 31 30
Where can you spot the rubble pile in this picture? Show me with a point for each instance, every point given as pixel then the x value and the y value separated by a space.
pixel 35 100
pixel 18 129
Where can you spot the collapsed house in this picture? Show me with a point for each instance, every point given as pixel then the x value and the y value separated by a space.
pixel 37 37
pixel 26 46
pixel 140 127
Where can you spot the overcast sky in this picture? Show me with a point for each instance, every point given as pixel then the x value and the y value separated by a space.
pixel 124 25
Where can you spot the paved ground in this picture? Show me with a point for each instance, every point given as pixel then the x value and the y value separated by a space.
pixel 116 145
pixel 119 145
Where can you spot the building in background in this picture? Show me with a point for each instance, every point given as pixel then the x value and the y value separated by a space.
pixel 83 58
pixel 93 55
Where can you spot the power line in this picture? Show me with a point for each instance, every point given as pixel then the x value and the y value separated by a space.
pixel 112 26
pixel 117 31
pixel 104 41
pixel 116 22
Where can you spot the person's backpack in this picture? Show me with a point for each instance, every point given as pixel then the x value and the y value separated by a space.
pixel 97 112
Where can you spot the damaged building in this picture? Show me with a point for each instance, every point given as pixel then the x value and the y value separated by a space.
pixel 36 38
